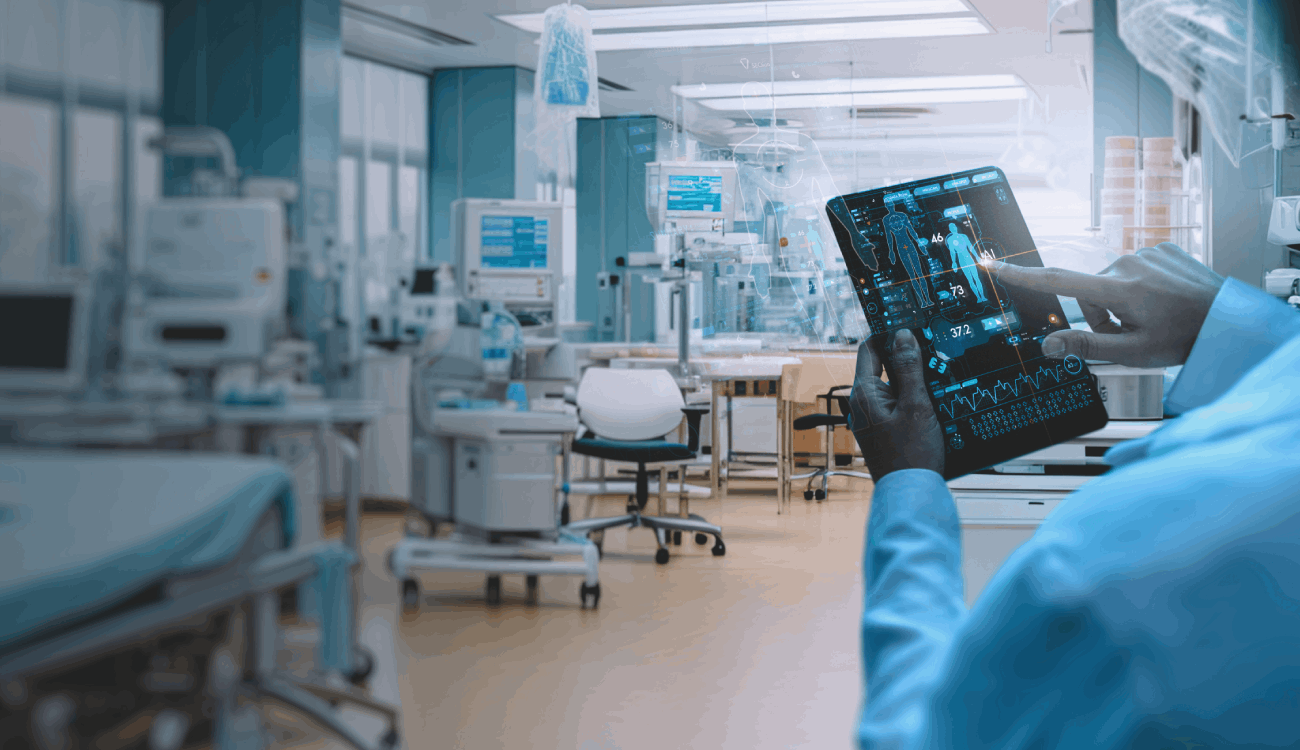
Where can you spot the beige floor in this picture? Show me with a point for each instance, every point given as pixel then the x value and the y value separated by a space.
pixel 758 649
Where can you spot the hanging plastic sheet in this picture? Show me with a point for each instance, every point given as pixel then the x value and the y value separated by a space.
pixel 565 89
pixel 1200 49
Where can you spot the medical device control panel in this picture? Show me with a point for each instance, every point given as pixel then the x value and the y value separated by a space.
pixel 508 251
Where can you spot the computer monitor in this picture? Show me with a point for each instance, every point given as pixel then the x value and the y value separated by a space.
pixel 43 337
pixel 691 194
pixel 508 251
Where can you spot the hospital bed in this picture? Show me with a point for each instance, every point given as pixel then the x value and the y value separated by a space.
pixel 140 604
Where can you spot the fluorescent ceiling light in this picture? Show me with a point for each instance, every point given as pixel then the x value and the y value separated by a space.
pixel 871 99
pixel 722 14
pixel 792 34
pixel 842 85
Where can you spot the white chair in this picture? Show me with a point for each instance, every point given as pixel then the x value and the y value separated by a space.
pixel 627 414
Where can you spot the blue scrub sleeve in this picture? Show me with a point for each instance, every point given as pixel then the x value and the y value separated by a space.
pixel 914 603
pixel 1243 327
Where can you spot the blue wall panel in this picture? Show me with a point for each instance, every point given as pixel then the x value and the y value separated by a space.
pixel 473 137
pixel 265 72
pixel 488 138
pixel 612 154
pixel 444 170
pixel 590 204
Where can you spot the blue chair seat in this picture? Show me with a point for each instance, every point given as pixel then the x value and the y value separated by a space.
pixel 633 451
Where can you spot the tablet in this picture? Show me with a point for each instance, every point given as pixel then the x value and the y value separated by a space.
pixel 913 253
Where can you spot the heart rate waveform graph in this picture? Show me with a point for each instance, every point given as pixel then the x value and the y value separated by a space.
pixel 1022 385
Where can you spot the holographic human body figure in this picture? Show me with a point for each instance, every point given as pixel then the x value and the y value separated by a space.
pixel 965 257
pixel 904 242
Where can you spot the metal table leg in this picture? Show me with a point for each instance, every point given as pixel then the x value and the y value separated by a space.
pixel 715 437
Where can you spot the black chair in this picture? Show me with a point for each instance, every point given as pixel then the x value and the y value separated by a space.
pixel 642 453
pixel 830 422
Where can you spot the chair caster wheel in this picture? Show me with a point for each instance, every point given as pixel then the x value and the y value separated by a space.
pixel 391 740
pixel 661 556
pixel 494 590
pixel 820 495
pixel 807 494
pixel 719 549
pixel 532 589
pixel 363 663
pixel 590 591
pixel 701 538
pixel 564 514
pixel 410 596
pixel 677 538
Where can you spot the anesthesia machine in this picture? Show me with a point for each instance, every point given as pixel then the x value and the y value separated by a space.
pixel 488 467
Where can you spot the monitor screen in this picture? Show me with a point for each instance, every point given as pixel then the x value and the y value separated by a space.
pixel 35 331
pixel 694 194
pixel 513 242
pixel 423 283
pixel 913 252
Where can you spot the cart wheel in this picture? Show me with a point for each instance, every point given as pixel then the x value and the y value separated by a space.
pixel 807 494
pixel 564 514
pixel 701 538
pixel 661 556
pixel 494 590
pixel 677 538
pixel 590 591
pixel 719 549
pixel 363 663
pixel 532 589
pixel 410 596
pixel 820 495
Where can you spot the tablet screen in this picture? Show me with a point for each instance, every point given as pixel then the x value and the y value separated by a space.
pixel 913 253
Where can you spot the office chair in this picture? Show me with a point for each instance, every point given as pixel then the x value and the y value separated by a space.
pixel 830 422
pixel 627 414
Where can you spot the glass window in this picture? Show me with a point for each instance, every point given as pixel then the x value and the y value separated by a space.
pixel 100 55
pixel 379 201
pixel 97 217
pixel 382 103
pixel 27 187
pixel 415 113
pixel 350 99
pixel 348 201
pixel 33 36
pixel 118 52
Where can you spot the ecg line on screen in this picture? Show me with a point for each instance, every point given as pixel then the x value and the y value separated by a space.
pixel 974 401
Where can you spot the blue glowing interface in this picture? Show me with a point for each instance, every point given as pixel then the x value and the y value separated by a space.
pixel 513 242
pixel 914 263
pixel 694 193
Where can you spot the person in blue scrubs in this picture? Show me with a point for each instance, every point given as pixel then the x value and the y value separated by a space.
pixel 1158 606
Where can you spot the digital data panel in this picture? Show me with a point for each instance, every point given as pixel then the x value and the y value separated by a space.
pixel 913 253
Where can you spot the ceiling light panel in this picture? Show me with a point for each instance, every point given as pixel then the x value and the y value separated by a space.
pixel 724 14
pixel 875 99
pixel 843 86
pixel 792 34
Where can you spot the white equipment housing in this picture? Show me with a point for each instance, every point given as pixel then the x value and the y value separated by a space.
pixel 684 196
pixel 215 271
pixel 508 251
pixel 1284 222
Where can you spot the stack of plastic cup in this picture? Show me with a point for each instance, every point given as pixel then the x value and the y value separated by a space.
pixel 1119 187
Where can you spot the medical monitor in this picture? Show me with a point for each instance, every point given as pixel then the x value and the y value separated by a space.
pixel 912 252
pixel 43 337
pixel 508 251
pixel 692 195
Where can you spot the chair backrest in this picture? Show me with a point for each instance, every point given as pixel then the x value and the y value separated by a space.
pixel 629 404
